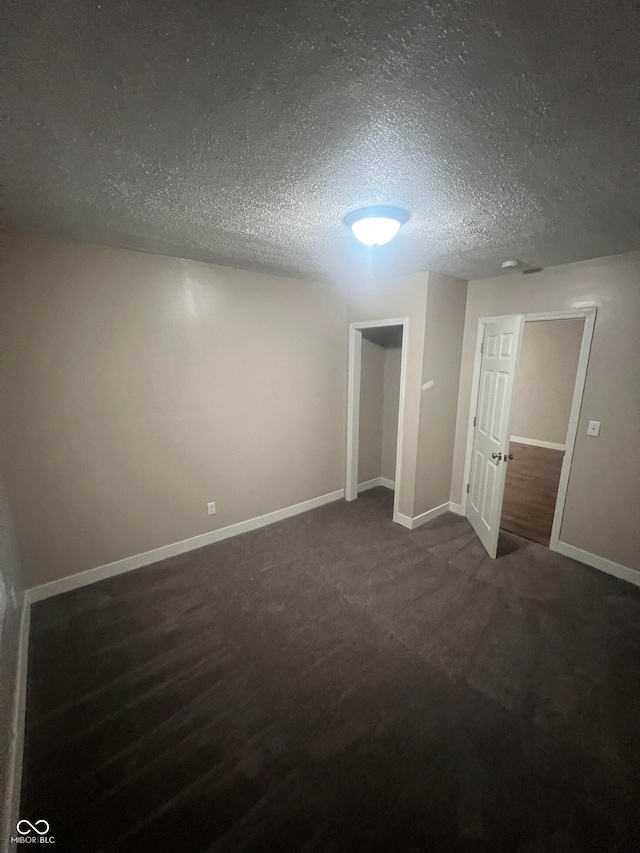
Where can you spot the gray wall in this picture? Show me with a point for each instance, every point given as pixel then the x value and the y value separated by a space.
pixel 140 387
pixel 444 327
pixel 379 402
pixel 545 380
pixel 390 404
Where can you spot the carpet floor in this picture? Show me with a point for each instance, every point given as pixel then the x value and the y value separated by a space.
pixel 335 682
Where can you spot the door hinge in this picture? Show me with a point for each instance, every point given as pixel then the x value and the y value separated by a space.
pixel 468 484
pixel 482 347
pixel 474 421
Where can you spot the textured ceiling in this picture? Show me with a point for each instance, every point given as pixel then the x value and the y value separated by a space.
pixel 243 132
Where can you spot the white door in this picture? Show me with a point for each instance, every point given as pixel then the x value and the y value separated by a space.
pixel 500 350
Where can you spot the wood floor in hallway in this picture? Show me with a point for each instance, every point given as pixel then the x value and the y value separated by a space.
pixel 530 491
pixel 335 682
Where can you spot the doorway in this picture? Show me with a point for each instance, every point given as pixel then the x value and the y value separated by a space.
pixel 541 404
pixel 533 495
pixel 377 366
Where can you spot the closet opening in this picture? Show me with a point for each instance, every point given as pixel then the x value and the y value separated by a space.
pixel 376 394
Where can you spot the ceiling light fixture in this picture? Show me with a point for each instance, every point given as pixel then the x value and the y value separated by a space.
pixel 376 225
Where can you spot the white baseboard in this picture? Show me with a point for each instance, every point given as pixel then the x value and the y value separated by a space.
pixel 412 523
pixel 429 515
pixel 368 484
pixel 377 481
pixel 458 509
pixel 535 442
pixel 608 566
pixel 11 805
pixel 128 564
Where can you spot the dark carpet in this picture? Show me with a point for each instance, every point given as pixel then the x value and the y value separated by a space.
pixel 335 682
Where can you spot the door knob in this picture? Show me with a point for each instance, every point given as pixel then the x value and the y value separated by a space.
pixel 497 456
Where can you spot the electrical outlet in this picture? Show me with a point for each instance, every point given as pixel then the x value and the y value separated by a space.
pixel 211 508
pixel 593 428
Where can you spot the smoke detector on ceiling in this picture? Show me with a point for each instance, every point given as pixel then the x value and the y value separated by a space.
pixel 510 265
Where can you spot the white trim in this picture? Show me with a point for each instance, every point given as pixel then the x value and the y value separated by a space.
pixel 37 593
pixel 412 523
pixel 429 515
pixel 368 484
pixel 566 314
pixel 458 509
pixel 353 407
pixel 588 314
pixel 572 429
pixel 404 520
pixel 473 406
pixel 537 442
pixel 376 324
pixel 353 412
pixel 16 745
pixel 404 366
pixel 608 566
pixel 377 481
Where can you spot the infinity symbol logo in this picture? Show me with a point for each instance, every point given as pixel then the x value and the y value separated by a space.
pixel 32 827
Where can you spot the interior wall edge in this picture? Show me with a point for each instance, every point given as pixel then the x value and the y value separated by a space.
pixel 377 481
pixel 429 515
pixel 456 508
pixel 445 314
pixel 11 805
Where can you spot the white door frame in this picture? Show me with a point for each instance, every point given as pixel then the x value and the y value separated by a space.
pixel 588 314
pixel 353 404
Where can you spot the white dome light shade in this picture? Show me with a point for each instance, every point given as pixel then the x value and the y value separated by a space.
pixel 375 226
pixel 375 231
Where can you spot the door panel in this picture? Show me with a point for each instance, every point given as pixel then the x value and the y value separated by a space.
pixel 500 352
